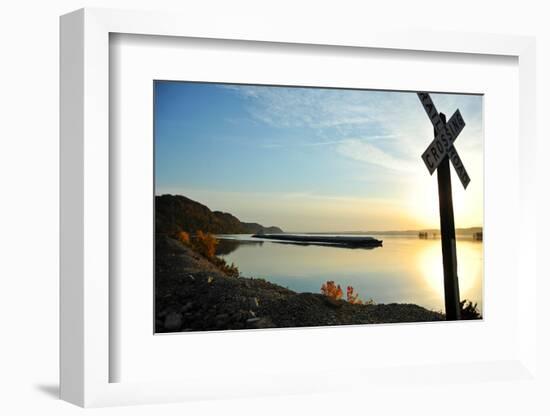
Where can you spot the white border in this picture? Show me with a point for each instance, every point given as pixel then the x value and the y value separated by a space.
pixel 85 204
pixel 138 60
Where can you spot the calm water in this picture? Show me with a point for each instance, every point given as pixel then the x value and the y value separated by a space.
pixel 405 270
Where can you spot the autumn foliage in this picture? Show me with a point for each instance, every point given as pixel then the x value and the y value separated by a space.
pixel 205 244
pixel 353 297
pixel 334 291
pixel 331 290
pixel 184 238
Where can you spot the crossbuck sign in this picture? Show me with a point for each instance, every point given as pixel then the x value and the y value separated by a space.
pixel 436 157
pixel 442 144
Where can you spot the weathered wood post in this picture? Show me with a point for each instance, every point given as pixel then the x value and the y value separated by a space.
pixel 448 239
pixel 436 157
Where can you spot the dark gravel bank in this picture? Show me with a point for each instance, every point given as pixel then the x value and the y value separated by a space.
pixel 191 294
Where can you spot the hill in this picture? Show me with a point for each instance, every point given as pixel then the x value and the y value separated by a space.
pixel 174 213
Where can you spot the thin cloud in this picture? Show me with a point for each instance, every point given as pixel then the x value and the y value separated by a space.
pixel 305 107
pixel 324 142
pixel 368 153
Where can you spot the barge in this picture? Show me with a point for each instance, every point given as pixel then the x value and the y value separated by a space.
pixel 340 240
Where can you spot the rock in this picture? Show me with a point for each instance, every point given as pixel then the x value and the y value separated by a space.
pixel 253 303
pixel 173 321
pixel 259 323
pixel 265 323
pixel 210 279
pixel 334 303
pixel 187 307
pixel 221 320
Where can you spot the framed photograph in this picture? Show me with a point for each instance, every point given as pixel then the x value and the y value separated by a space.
pixel 288 198
pixel 338 171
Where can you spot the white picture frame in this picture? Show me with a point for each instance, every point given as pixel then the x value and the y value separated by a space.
pixel 85 212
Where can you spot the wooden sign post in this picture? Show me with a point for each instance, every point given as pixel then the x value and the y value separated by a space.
pixel 437 156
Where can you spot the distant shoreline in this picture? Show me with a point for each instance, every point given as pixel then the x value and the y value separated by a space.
pixel 459 231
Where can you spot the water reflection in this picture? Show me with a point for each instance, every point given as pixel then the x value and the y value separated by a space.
pixel 469 266
pixel 229 245
pixel 404 270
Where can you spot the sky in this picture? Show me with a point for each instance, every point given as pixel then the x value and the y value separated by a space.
pixel 312 159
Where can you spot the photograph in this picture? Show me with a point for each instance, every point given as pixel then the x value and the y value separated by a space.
pixel 306 206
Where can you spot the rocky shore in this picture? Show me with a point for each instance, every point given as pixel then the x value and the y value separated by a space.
pixel 191 294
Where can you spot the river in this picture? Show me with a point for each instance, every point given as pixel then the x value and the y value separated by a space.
pixel 406 269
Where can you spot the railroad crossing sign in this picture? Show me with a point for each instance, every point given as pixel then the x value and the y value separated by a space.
pixel 437 156
pixel 442 144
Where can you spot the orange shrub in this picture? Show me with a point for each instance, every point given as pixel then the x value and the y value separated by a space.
pixel 334 291
pixel 184 238
pixel 331 290
pixel 353 297
pixel 205 244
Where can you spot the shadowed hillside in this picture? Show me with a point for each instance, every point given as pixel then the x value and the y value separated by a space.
pixel 175 213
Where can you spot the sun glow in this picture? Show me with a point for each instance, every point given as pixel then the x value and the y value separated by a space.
pixel 430 265
pixel 421 204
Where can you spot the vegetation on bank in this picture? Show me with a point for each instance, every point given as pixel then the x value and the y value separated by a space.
pixel 468 309
pixel 205 244
pixel 334 291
